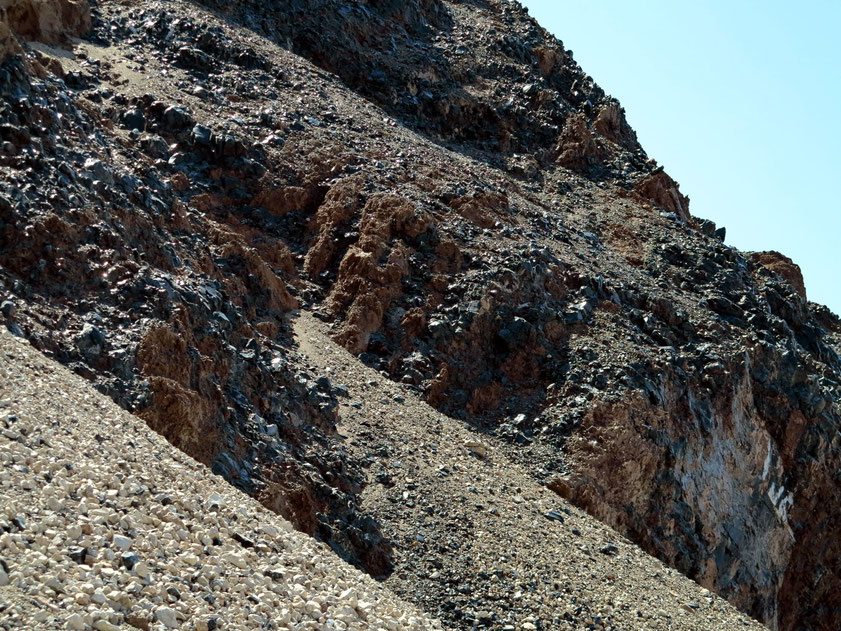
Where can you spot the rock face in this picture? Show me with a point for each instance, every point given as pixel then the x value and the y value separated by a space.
pixel 474 218
pixel 49 21
pixel 714 462
pixel 664 192
pixel 783 266
pixel 8 43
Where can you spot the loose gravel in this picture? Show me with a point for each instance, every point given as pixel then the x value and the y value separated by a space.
pixel 106 526
pixel 480 543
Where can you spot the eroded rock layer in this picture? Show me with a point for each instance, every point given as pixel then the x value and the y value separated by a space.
pixel 443 184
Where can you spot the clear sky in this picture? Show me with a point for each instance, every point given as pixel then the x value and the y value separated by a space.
pixel 740 101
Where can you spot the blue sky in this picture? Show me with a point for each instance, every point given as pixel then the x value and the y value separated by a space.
pixel 740 101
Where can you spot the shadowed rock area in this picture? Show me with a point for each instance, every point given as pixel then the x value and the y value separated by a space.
pixel 467 213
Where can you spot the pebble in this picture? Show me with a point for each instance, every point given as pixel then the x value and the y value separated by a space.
pixel 134 119
pixel 166 615
pixel 123 543
pixel 555 515
pixel 129 560
pixel 141 569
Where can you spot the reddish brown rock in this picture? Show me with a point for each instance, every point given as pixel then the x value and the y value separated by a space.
pixel 156 351
pixel 548 60
pixel 8 43
pixel 186 416
pixel 49 21
pixel 579 146
pixel 611 124
pixel 368 289
pixel 264 288
pixel 280 201
pixel 414 322
pixel 343 202
pixel 663 191
pixel 371 271
pixel 783 266
pixel 483 209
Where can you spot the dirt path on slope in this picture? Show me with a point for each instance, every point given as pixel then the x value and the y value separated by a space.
pixel 478 541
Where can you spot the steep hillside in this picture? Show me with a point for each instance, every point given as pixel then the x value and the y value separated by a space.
pixel 469 215
pixel 106 527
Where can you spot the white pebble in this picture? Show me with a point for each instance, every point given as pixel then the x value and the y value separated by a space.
pixel 166 616
pixel 123 543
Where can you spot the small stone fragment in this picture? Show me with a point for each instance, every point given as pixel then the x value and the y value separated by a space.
pixel 243 540
pixel 137 621
pixel 141 569
pixel 77 554
pixel 8 308
pixel 123 543
pixel 75 622
pixel 167 617
pixel 129 560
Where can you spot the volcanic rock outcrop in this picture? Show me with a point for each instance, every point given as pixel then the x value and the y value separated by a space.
pixel 444 186
pixel 784 267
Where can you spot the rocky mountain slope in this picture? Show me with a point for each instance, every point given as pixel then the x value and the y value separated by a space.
pixel 106 527
pixel 468 214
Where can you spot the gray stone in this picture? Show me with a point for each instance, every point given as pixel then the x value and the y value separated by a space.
pixel 167 617
pixel 176 118
pixel 8 308
pixel 99 171
pixel 77 554
pixel 134 119
pixel 129 560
